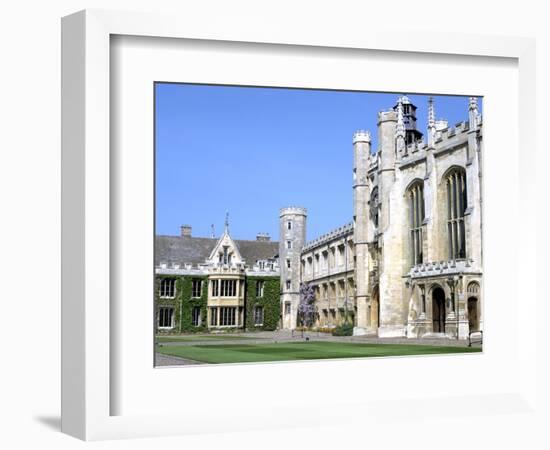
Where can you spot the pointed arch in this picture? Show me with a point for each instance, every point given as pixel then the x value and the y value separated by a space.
pixel 414 197
pixel 454 180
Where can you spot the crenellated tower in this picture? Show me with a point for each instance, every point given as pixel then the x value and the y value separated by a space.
pixel 292 237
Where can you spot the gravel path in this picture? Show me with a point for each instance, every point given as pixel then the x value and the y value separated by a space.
pixel 170 361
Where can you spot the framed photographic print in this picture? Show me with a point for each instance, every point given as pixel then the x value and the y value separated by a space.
pixel 246 210
pixel 368 283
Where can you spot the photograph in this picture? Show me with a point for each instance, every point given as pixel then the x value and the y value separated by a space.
pixel 307 224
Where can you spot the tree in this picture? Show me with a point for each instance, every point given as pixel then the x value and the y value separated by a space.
pixel 306 307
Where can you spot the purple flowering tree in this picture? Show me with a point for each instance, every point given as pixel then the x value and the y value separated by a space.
pixel 306 307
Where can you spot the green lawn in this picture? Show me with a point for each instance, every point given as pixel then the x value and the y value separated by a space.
pixel 236 353
pixel 203 337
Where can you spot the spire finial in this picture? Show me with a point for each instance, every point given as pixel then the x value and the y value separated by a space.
pixel 226 221
pixel 474 115
pixel 212 234
pixel 400 128
pixel 431 122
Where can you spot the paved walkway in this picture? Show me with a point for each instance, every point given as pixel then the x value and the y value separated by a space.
pixel 265 337
pixel 171 361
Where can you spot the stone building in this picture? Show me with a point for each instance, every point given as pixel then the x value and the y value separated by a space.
pixel 410 262
pixel 206 284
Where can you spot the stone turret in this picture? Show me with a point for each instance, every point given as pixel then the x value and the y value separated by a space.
pixel 361 195
pixel 292 237
pixel 387 122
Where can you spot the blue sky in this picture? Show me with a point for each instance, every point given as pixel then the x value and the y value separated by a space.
pixel 252 150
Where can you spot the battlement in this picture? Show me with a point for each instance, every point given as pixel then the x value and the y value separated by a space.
pixel 299 210
pixel 444 138
pixel 387 116
pixel 415 147
pixel 361 136
pixel 330 236
pixel 447 133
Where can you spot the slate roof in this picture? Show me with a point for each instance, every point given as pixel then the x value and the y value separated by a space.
pixel 195 250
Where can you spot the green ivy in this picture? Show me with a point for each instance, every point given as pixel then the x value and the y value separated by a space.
pixel 183 303
pixel 184 286
pixel 270 301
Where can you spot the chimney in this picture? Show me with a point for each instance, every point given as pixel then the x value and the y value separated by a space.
pixel 185 230
pixel 263 237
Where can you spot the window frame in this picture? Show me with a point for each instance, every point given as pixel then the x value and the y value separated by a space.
pixel 198 318
pixel 417 214
pixel 260 286
pixel 161 317
pixel 162 289
pixel 215 288
pixel 456 205
pixel 194 282
pixel 228 315
pixel 259 308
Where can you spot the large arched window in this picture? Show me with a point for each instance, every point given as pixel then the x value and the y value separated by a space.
pixel 456 206
pixel 415 196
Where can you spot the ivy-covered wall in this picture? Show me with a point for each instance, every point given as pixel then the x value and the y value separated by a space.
pixel 183 303
pixel 270 301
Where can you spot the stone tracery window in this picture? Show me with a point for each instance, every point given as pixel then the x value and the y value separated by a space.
pixel 456 207
pixel 416 218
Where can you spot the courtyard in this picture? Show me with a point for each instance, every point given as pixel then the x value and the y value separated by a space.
pixel 181 350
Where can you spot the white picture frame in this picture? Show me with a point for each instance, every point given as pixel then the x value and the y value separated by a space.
pixel 89 322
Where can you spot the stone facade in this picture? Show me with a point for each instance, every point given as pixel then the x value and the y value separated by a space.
pixel 410 263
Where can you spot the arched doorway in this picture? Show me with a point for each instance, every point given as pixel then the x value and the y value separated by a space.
pixel 473 316
pixel 438 310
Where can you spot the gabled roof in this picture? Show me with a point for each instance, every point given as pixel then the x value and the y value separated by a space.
pixel 225 241
pixel 196 250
